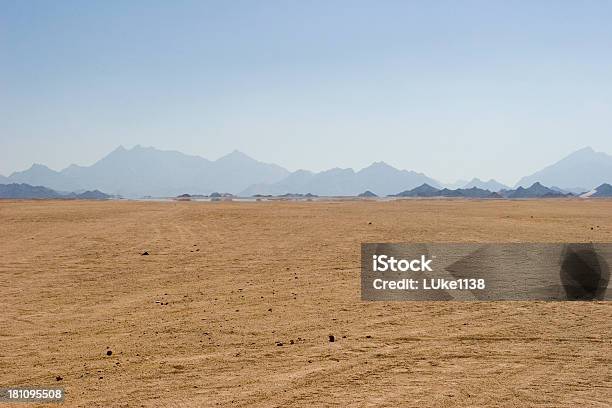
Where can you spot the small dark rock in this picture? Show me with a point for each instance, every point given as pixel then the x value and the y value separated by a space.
pixel 145 253
pixel 331 338
pixel 59 378
pixel 279 343
pixel 109 352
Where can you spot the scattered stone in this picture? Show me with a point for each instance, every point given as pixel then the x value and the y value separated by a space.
pixel 291 342
pixel 331 338
pixel 59 378
pixel 145 253
pixel 279 343
pixel 368 337
pixel 270 309
pixel 109 352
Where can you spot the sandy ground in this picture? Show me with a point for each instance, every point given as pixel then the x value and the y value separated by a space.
pixel 196 323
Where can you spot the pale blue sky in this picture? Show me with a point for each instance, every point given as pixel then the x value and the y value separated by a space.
pixel 454 89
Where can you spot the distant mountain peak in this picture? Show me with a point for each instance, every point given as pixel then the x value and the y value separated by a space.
pixel 587 149
pixel 39 166
pixel 381 164
pixel 424 190
pixel 235 155
pixel 536 190
pixel 379 178
pixel 367 193
pixel 491 184
pixel 583 168
pixel 604 190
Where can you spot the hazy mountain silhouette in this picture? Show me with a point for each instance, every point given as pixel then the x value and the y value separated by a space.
pixel 26 191
pixel 379 177
pixel 236 171
pixel 536 190
pixel 91 195
pixel 447 192
pixel 574 191
pixel 22 190
pixel 40 175
pixel 424 190
pixel 456 184
pixel 475 192
pixel 144 171
pixel 581 170
pixel 604 190
pixel 491 185
pixel 367 194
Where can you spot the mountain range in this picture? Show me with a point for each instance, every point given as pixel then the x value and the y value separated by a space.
pixel 491 185
pixel 20 191
pixel 146 171
pixel 536 190
pixel 379 177
pixel 143 171
pixel 579 171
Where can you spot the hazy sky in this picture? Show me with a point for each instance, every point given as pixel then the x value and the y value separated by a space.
pixel 454 89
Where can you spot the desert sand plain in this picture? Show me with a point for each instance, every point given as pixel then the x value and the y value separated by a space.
pixel 199 321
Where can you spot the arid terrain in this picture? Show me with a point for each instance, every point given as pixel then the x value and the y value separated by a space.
pixel 235 303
